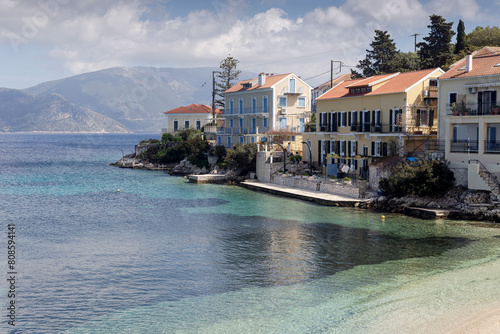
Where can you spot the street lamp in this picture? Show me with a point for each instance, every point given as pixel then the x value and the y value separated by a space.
pixel 310 156
pixel 284 155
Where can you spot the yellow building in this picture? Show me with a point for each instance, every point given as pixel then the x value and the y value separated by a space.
pixel 469 118
pixel 193 116
pixel 390 114
pixel 256 108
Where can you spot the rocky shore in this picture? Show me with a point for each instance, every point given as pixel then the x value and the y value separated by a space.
pixel 459 203
pixel 463 204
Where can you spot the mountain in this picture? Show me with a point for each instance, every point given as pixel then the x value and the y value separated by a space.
pixel 20 112
pixel 136 97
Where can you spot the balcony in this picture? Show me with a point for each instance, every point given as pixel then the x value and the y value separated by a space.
pixel 430 92
pixel 491 147
pixel 464 146
pixel 472 109
pixel 386 128
pixel 248 111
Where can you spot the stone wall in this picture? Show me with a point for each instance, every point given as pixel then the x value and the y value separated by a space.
pixel 335 188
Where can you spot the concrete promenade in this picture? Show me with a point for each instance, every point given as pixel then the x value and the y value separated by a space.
pixel 303 194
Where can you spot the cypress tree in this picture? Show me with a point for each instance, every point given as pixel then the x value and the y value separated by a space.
pixel 460 37
pixel 378 59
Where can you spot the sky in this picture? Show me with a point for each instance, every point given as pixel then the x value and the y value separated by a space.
pixel 43 40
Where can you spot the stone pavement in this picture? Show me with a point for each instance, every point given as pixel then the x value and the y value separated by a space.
pixel 307 195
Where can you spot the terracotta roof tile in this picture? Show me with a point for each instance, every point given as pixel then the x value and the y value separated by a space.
pixel 389 84
pixel 270 81
pixel 484 62
pixel 193 109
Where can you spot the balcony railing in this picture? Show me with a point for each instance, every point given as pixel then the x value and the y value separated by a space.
pixel 491 147
pixel 385 128
pixel 243 111
pixel 464 146
pixel 472 109
pixel 434 145
pixel 430 92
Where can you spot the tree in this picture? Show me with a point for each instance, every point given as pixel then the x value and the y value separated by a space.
pixel 422 177
pixel 378 59
pixel 479 37
pixel 228 76
pixel 405 62
pixel 436 50
pixel 242 158
pixel 460 37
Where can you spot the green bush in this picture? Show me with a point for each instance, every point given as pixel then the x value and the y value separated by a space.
pixel 422 178
pixel 167 137
pixel 220 152
pixel 242 158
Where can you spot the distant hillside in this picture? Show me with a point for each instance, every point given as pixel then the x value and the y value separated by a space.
pixel 20 111
pixel 137 96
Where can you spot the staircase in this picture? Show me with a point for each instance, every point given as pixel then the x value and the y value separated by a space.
pixel 490 179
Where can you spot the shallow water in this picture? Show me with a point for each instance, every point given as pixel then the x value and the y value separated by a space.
pixel 166 256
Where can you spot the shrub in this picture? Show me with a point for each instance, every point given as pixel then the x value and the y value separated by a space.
pixel 242 158
pixel 422 177
pixel 219 151
pixel 167 137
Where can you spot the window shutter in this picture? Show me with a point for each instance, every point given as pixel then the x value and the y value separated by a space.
pixel 391 120
pixel 384 149
pixel 418 117
pixel 355 120
pixel 349 120
pixel 319 151
pixel 494 97
pixel 348 149
pixel 334 121
pixel 337 147
pixel 373 148
pixel 340 119
pixel 431 117
pixel 373 117
pixel 356 148
pixel 327 147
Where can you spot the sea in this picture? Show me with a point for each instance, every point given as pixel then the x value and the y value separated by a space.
pixel 100 249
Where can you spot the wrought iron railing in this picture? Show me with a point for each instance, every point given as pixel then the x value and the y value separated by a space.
pixel 472 109
pixel 464 146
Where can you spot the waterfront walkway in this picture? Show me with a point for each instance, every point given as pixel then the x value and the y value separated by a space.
pixel 303 194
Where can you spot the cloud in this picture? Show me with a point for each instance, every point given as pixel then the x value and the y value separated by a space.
pixel 95 34
pixel 465 9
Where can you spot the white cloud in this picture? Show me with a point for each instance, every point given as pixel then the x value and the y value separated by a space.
pixel 96 34
pixel 465 9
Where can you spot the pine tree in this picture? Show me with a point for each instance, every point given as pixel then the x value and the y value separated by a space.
pixel 378 59
pixel 460 37
pixel 228 76
pixel 436 50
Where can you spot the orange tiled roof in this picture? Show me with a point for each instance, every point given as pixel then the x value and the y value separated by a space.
pixel 484 62
pixel 193 109
pixel 270 81
pixel 336 81
pixel 389 84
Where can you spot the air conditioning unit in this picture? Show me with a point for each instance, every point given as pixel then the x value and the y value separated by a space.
pixel 472 90
pixel 425 92
pixel 282 111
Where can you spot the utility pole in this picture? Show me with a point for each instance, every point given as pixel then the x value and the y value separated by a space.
pixel 415 35
pixel 213 97
pixel 331 71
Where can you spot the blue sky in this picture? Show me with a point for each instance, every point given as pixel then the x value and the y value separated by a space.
pixel 43 40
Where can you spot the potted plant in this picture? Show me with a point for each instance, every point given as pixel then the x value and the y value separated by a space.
pixel 495 109
pixel 333 178
pixel 454 109
pixel 347 180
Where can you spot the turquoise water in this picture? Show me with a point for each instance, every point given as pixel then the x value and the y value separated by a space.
pixel 166 256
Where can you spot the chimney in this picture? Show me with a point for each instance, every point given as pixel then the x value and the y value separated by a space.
pixel 262 79
pixel 468 64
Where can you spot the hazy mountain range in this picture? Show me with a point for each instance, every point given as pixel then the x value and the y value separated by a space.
pixel 122 99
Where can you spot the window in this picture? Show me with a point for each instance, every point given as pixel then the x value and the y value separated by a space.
pixel 241 106
pixel 176 125
pixel 282 123
pixel 219 140
pixel 424 117
pixel 198 125
pixel 343 119
pixel 264 105
pixel 264 122
pixel 282 101
pixel 452 98
pixel 365 151
pixel 376 120
pixel 241 123
pixel 254 105
pixel 228 141
pixel 242 139
pixel 301 103
pixel 323 152
pixel 353 148
pixel 231 107
pixel 433 82
pixel 342 148
pixel 376 151
pixel 292 86
pixel 322 122
pixel 231 123
pixel 186 124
